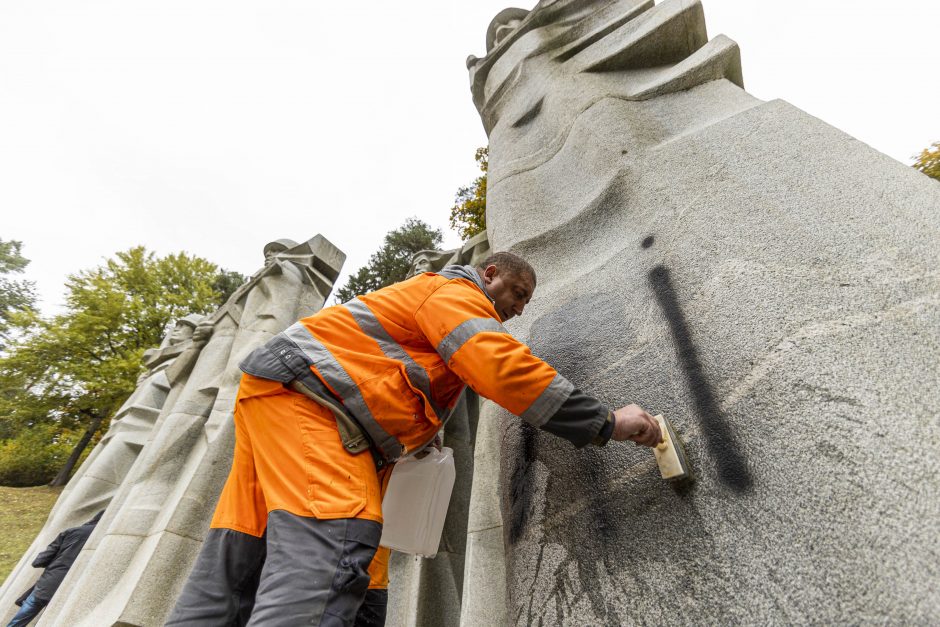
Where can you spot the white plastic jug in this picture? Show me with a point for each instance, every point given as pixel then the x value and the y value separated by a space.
pixel 415 502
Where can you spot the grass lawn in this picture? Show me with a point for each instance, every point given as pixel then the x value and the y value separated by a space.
pixel 23 513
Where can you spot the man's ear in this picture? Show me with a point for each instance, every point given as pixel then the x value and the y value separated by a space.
pixel 490 273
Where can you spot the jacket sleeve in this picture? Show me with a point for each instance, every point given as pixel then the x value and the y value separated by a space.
pixel 464 329
pixel 45 558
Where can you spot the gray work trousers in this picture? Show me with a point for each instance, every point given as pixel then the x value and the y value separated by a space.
pixel 313 573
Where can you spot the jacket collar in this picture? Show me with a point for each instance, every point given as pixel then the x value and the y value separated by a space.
pixel 466 272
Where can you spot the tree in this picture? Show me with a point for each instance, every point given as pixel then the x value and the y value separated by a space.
pixel 16 297
pixel 226 282
pixel 929 161
pixel 468 215
pixel 391 263
pixel 69 373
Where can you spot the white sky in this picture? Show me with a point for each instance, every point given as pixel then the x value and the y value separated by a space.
pixel 214 127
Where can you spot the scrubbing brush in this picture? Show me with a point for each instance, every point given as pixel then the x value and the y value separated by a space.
pixel 673 464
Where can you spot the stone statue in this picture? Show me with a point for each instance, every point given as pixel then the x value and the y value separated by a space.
pixel 93 486
pixel 152 530
pixel 761 278
pixel 472 252
pixel 430 261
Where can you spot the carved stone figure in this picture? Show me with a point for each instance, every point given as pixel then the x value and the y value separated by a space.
pixel 472 252
pixel 761 278
pixel 155 524
pixel 430 261
pixel 94 484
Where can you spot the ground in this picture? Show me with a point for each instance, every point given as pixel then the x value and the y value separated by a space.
pixel 23 513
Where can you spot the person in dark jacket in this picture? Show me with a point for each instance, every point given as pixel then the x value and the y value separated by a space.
pixel 56 559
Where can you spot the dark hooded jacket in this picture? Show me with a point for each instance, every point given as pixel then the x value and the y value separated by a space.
pixel 59 557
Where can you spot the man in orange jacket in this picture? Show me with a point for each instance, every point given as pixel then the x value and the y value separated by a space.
pixel 326 407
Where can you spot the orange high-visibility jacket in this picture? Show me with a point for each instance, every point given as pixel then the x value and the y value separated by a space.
pixel 397 359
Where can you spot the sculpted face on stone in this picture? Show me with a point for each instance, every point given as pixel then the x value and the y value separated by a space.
pixel 272 249
pixel 173 343
pixel 548 66
pixel 421 264
pixel 181 332
pixel 567 95
pixel 430 261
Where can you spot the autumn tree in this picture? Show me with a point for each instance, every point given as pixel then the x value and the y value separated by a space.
pixel 66 376
pixel 928 161
pixel 468 215
pixel 392 261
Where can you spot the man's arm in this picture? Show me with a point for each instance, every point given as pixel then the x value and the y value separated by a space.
pixel 45 558
pixel 463 328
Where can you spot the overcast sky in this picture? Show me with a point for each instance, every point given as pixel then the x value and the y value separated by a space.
pixel 215 127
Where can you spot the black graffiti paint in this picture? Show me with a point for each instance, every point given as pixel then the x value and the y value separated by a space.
pixel 521 480
pixel 719 438
pixel 588 551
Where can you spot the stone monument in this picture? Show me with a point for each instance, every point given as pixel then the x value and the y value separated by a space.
pixel 430 261
pixel 763 279
pixel 137 559
pixel 94 484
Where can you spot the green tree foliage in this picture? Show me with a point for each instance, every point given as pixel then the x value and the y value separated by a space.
pixel 40 451
pixel 16 296
pixel 226 282
pixel 929 161
pixel 66 375
pixel 468 215
pixel 391 263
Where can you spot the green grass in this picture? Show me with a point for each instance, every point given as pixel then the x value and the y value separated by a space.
pixel 23 513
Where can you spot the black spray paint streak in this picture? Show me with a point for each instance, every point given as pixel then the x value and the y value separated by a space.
pixel 588 550
pixel 520 481
pixel 660 530
pixel 720 441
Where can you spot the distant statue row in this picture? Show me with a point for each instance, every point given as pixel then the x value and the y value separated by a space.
pixel 158 470
pixel 475 250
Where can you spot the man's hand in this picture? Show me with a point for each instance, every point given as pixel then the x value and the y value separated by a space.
pixel 634 424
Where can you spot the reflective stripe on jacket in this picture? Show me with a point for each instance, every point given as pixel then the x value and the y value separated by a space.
pixel 398 358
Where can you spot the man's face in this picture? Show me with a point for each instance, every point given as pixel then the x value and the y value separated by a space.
pixel 510 292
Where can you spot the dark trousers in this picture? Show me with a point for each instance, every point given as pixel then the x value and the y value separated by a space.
pixel 304 571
